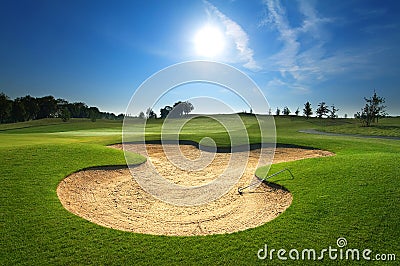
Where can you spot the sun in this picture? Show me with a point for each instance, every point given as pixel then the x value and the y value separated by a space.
pixel 209 41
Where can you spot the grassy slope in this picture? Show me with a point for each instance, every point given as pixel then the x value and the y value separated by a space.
pixel 354 194
pixel 385 126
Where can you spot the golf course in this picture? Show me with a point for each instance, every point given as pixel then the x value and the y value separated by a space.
pixel 352 194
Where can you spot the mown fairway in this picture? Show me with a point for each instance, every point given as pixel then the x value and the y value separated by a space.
pixel 355 194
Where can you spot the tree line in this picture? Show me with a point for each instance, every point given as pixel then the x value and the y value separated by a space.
pixel 373 110
pixel 31 108
pixel 322 111
pixel 179 109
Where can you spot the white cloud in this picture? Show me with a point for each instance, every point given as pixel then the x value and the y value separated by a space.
pixel 235 32
pixel 277 84
pixel 298 60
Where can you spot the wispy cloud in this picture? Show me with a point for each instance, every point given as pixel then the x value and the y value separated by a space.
pixel 244 54
pixel 295 88
pixel 300 62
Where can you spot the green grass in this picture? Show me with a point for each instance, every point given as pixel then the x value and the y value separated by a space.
pixel 385 127
pixel 51 125
pixel 354 194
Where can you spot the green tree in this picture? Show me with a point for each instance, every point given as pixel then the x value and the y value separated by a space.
pixel 65 114
pixel 297 111
pixel 177 110
pixel 164 112
pixel 372 111
pixel 307 111
pixel 188 107
pixel 286 111
pixel 47 107
pixel 322 110
pixel 94 113
pixel 150 113
pixel 333 112
pixel 18 113
pixel 278 111
pixel 31 107
pixel 377 107
pixel 5 108
pixel 78 110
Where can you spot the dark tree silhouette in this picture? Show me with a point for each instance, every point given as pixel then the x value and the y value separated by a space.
pixel 65 114
pixel 18 113
pixel 377 107
pixel 333 112
pixel 307 111
pixel 286 111
pixel 31 107
pixel 47 107
pixel 94 113
pixel 297 111
pixel 188 107
pixel 150 113
pixel 322 110
pixel 181 108
pixel 78 110
pixel 278 111
pixel 372 111
pixel 164 112
pixel 177 110
pixel 5 108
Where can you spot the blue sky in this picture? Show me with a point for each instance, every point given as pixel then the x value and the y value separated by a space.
pixel 99 52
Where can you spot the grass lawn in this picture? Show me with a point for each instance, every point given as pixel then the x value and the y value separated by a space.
pixel 354 194
pixel 385 127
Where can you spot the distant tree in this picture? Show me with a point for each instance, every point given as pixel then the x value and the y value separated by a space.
pixel 377 107
pixel 108 115
pixel 345 115
pixel 269 111
pixel 307 111
pixel 188 107
pixel 5 108
pixel 65 114
pixel 297 111
pixel 181 108
pixel 93 113
pixel 47 107
pixel 31 107
pixel 150 113
pixel 333 112
pixel 177 110
pixel 286 111
pixel 141 115
pixel 164 112
pixel 18 113
pixel 372 111
pixel 278 111
pixel 365 116
pixel 322 110
pixel 78 110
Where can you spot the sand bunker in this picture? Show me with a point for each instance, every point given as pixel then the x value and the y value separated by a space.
pixel 111 197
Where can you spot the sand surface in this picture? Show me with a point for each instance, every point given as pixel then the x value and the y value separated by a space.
pixel 111 197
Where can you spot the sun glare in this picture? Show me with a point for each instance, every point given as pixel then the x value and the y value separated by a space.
pixel 209 41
